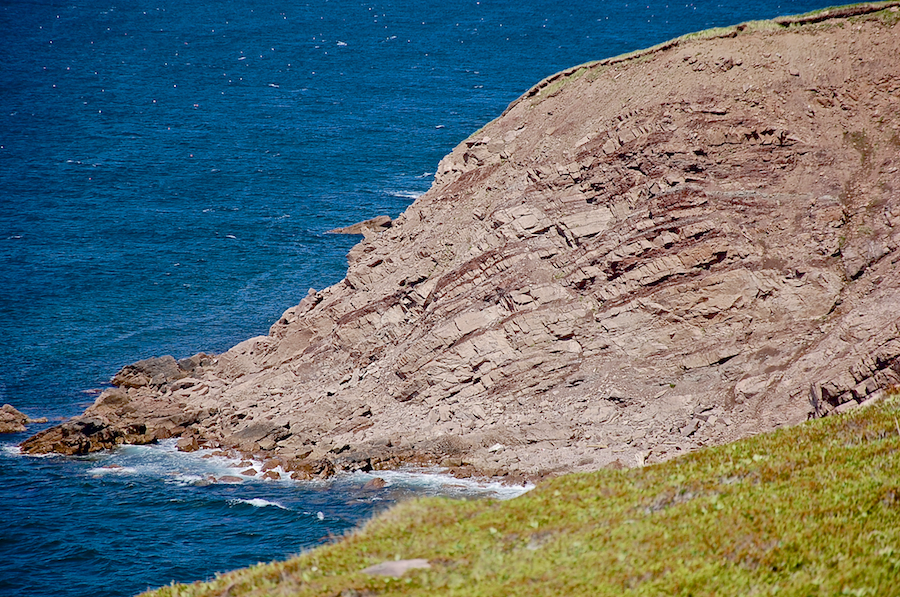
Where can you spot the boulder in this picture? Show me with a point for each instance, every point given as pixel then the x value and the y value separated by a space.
pixel 155 371
pixel 11 420
pixel 187 444
pixel 271 463
pixel 376 483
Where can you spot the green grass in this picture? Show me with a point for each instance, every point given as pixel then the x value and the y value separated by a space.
pixel 553 88
pixel 812 510
pixel 838 7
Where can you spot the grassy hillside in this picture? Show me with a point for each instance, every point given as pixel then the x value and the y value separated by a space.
pixel 812 510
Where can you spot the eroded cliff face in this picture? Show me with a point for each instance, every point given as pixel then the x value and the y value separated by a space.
pixel 640 256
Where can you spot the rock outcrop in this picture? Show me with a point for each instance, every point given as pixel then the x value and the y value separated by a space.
pixel 13 421
pixel 366 228
pixel 642 255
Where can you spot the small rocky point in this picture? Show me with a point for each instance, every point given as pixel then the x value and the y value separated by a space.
pixel 641 256
pixel 13 421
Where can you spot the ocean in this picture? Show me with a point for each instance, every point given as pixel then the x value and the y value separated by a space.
pixel 168 172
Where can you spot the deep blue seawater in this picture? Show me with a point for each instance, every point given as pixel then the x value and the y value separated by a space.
pixel 167 174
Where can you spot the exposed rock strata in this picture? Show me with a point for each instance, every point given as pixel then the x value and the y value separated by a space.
pixel 639 257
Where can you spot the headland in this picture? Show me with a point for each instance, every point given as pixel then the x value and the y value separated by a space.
pixel 641 256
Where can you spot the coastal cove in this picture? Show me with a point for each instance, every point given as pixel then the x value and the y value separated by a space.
pixel 169 177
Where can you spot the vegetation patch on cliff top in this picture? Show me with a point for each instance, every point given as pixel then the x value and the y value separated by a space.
pixel 811 510
pixel 886 11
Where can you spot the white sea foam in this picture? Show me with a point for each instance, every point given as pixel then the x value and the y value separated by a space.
pixel 189 479
pixel 204 466
pixel 434 482
pixel 12 449
pixel 113 470
pixel 163 461
pixel 257 503
pixel 406 194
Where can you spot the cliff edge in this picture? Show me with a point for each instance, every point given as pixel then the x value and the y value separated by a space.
pixel 642 255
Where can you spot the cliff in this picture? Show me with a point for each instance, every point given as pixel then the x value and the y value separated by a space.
pixel 642 255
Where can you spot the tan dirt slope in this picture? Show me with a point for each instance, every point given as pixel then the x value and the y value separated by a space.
pixel 641 256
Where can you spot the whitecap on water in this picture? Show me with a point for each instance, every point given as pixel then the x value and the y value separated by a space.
pixel 113 470
pixel 406 194
pixel 12 450
pixel 257 503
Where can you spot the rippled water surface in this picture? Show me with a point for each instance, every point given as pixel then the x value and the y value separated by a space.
pixel 168 171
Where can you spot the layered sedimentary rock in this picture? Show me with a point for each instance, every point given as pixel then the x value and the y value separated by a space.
pixel 642 255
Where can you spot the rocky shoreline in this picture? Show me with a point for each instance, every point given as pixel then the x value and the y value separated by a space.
pixel 13 421
pixel 641 256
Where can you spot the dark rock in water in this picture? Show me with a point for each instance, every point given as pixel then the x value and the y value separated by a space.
pixel 11 420
pixel 250 472
pixel 271 463
pixel 305 469
pixel 187 444
pixel 230 479
pixel 376 483
pixel 85 435
pixel 273 475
